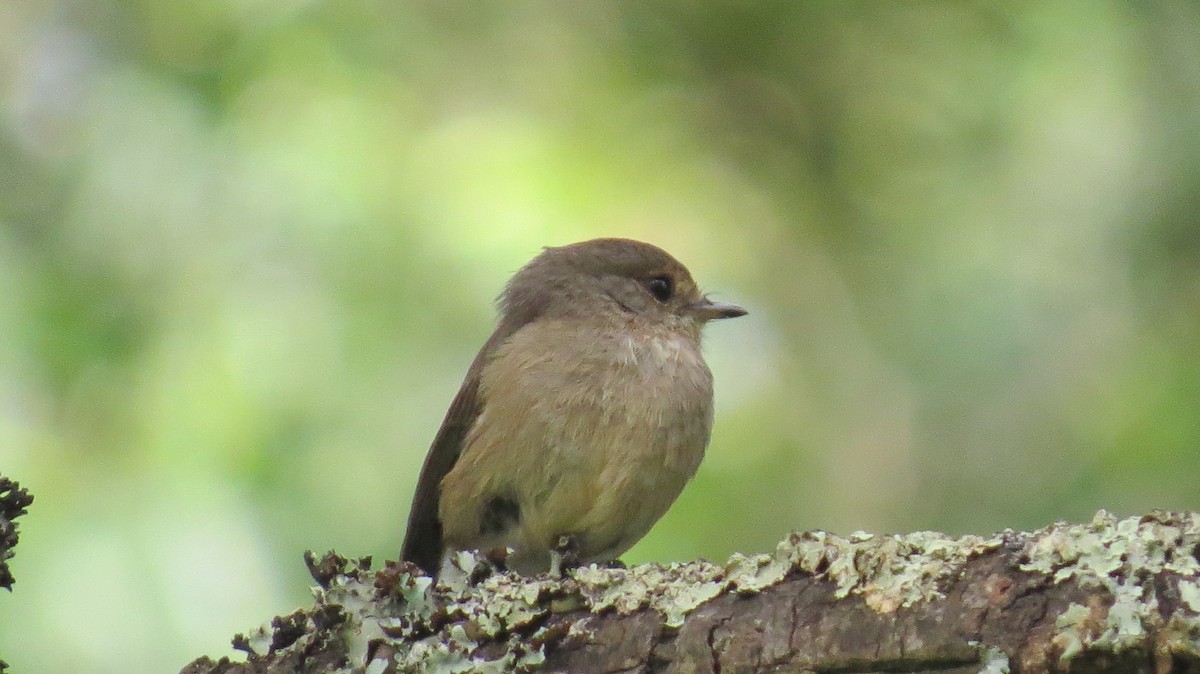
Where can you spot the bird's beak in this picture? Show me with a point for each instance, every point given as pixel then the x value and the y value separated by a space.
pixel 709 310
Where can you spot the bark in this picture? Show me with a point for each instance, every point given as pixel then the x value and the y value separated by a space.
pixel 1104 596
pixel 13 502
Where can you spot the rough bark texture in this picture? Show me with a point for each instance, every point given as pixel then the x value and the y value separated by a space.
pixel 1106 596
pixel 13 502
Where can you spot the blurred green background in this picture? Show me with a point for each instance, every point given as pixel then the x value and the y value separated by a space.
pixel 248 249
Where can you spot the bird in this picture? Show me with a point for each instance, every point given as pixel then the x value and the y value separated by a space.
pixel 580 420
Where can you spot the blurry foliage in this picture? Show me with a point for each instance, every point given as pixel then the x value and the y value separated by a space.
pixel 248 248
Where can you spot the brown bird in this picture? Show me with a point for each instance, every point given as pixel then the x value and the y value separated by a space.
pixel 582 417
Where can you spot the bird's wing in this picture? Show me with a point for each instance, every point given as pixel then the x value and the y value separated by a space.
pixel 423 541
pixel 423 544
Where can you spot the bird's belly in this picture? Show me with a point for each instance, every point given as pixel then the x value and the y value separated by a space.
pixel 605 501
pixel 613 501
pixel 597 449
pixel 609 481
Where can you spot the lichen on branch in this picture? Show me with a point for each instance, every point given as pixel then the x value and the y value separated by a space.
pixel 1119 595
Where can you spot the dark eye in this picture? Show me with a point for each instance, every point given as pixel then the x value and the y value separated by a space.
pixel 661 287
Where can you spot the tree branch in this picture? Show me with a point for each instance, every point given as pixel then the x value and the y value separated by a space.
pixel 1106 596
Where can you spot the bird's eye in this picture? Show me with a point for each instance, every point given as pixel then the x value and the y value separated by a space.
pixel 661 287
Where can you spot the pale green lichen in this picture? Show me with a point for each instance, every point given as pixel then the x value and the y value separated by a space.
pixel 355 599
pixel 889 572
pixel 441 628
pixel 259 641
pixel 366 618
pixel 994 660
pixel 1189 593
pixel 498 604
pixel 1071 624
pixel 673 591
pixel 1123 557
pixel 453 652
